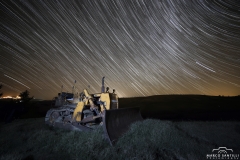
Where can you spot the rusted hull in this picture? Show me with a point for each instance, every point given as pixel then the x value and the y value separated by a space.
pixel 117 121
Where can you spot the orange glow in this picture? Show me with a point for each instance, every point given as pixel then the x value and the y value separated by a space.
pixel 11 97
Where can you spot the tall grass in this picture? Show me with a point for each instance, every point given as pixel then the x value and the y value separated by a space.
pixel 150 139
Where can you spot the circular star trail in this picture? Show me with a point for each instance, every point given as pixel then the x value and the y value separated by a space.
pixel 142 47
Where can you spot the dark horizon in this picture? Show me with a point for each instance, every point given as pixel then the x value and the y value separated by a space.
pixel 149 96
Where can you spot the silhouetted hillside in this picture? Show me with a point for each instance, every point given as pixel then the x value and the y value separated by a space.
pixel 186 107
pixel 11 109
pixel 170 107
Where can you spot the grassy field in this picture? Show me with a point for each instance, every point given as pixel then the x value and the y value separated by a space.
pixel 150 139
pixel 185 127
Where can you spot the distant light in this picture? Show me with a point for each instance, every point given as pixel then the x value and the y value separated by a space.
pixel 10 97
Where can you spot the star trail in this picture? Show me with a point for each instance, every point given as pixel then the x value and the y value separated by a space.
pixel 142 47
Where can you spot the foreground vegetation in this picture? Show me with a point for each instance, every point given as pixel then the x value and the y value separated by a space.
pixel 150 139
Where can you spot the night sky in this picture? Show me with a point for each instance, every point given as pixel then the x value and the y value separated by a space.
pixel 142 47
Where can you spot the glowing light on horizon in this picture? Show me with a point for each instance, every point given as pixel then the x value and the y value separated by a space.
pixel 11 97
